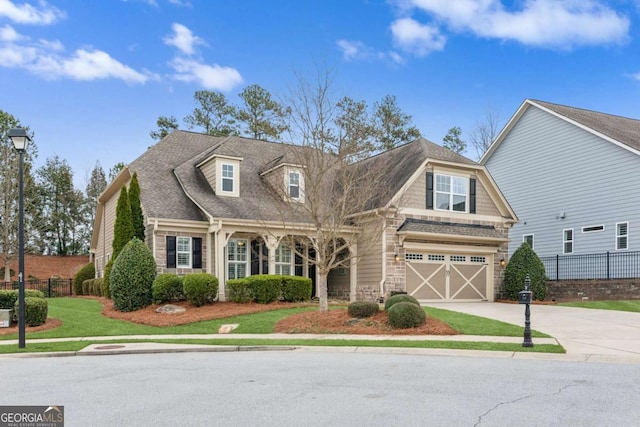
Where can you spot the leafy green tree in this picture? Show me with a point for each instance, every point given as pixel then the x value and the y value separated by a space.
pixel 115 170
pixel 523 262
pixel 213 114
pixel 261 116
pixel 95 187
pixel 60 218
pixel 392 124
pixel 136 209
pixel 123 227
pixel 9 188
pixel 356 131
pixel 453 140
pixel 165 126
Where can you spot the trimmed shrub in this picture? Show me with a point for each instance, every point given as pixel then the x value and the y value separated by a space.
pixel 87 287
pixel 362 309
pixel 525 261
pixel 132 276
pixel 392 293
pixel 86 272
pixel 35 310
pixel 399 298
pixel 296 288
pixel 200 288
pixel 167 287
pixel 239 290
pixel 266 288
pixel 8 299
pixel 106 288
pixel 97 287
pixel 405 315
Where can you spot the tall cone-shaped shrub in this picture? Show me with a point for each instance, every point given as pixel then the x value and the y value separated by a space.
pixel 525 261
pixel 132 276
pixel 123 228
pixel 136 209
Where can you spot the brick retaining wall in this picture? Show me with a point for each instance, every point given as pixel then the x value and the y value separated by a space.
pixel 593 290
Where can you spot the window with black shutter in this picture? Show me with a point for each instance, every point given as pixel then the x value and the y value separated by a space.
pixel 196 252
pixel 429 190
pixel 472 195
pixel 171 251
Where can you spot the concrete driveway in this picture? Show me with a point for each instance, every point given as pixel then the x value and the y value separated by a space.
pixel 580 331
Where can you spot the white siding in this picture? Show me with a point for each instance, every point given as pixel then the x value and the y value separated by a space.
pixel 547 167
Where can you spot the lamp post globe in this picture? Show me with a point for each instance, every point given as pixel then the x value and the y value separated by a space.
pixel 20 140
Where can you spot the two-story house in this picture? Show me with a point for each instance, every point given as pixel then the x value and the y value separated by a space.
pixel 209 206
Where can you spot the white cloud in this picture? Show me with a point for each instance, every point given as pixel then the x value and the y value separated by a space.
pixel 414 37
pixel 8 34
pixel 28 14
pixel 353 49
pixel 542 23
pixel 208 76
pixel 183 39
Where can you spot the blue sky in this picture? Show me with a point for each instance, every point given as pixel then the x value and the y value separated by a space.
pixel 90 78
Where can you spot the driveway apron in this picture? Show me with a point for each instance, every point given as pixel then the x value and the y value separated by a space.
pixel 580 331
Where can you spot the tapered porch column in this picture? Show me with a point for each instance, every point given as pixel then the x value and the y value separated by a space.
pixel 353 272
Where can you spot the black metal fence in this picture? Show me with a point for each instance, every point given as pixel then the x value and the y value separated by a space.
pixel 50 287
pixel 602 266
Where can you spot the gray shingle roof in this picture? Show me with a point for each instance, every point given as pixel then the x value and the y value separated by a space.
pixel 413 225
pixel 622 129
pixel 173 160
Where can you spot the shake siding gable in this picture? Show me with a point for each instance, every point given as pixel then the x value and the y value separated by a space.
pixel 547 167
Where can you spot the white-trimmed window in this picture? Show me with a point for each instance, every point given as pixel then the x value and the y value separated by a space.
pixel 183 252
pixel 227 178
pixel 528 239
pixel 237 259
pixel 284 260
pixel 451 193
pixel 622 235
pixel 294 185
pixel 567 241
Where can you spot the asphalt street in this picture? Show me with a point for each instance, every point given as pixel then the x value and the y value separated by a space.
pixel 323 388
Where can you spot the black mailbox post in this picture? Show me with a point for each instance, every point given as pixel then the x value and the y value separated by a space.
pixel 526 297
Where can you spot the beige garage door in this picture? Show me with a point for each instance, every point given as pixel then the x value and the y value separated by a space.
pixel 447 277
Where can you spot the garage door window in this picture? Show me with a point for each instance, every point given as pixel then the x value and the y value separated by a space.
pixel 413 257
pixel 435 257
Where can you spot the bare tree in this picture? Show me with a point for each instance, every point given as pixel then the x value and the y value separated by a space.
pixel 338 200
pixel 485 132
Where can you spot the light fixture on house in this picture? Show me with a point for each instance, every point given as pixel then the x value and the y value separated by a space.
pixel 240 243
pixel 502 262
pixel 396 258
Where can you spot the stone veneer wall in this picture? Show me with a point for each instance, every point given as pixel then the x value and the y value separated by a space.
pixel 161 253
pixel 593 290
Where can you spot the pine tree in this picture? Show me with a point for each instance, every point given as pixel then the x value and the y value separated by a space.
pixel 123 228
pixel 136 210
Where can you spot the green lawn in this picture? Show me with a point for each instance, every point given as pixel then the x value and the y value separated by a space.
pixel 633 306
pixel 82 318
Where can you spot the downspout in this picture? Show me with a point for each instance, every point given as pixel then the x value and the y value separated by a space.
pixel 384 256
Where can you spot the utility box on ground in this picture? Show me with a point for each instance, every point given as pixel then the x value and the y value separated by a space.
pixel 6 316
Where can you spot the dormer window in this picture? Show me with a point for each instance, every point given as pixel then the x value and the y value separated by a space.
pixel 227 178
pixel 294 185
pixel 451 193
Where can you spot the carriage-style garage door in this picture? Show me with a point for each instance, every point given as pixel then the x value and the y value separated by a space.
pixel 448 277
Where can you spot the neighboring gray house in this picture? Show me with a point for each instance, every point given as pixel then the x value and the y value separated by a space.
pixel 572 175
pixel 209 206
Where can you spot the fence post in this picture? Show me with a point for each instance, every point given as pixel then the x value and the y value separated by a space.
pixel 557 267
pixel 70 287
pixel 49 285
pixel 608 274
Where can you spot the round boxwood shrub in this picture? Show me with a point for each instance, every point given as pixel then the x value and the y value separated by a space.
pixel 399 298
pixel 296 288
pixel 35 311
pixel 8 299
pixel 132 276
pixel 86 272
pixel 167 287
pixel 97 287
pixel 405 315
pixel 87 287
pixel 525 261
pixel 200 288
pixel 238 290
pixel 265 288
pixel 362 309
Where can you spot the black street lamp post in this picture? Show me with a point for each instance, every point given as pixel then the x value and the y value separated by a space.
pixel 20 141
pixel 526 297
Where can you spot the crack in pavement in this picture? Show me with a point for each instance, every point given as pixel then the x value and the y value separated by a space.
pixel 560 390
